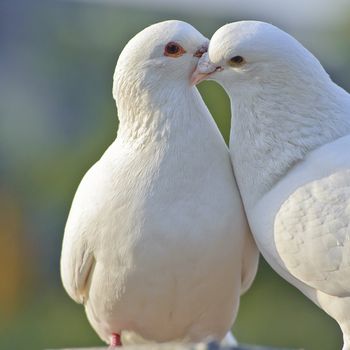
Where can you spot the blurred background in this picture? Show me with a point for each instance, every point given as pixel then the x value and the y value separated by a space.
pixel 57 116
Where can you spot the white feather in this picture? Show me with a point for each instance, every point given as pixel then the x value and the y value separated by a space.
pixel 290 146
pixel 160 212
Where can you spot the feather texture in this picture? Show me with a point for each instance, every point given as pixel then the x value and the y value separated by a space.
pixel 160 211
pixel 289 144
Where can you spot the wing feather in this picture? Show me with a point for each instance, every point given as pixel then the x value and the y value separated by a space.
pixel 312 233
pixel 83 224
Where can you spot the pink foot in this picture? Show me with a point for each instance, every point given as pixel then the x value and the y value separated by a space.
pixel 115 341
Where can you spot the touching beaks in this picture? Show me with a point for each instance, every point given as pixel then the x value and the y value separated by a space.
pixel 204 68
pixel 198 75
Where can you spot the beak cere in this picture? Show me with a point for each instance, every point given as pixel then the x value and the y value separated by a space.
pixel 203 49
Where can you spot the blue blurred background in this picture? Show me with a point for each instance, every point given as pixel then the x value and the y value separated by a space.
pixel 57 116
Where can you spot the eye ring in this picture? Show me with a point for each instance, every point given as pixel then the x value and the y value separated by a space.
pixel 173 49
pixel 236 61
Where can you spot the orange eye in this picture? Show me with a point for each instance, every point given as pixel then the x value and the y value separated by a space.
pixel 173 49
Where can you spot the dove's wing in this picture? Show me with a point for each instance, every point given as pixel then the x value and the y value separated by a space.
pixel 77 264
pixel 83 225
pixel 312 233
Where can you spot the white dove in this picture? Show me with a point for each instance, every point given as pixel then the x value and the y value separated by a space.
pixel 290 147
pixel 157 246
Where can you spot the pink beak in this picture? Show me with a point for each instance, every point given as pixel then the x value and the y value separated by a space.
pixel 197 77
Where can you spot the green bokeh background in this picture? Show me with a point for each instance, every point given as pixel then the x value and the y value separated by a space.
pixel 57 116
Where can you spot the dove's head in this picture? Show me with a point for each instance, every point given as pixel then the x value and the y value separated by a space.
pixel 249 56
pixel 162 56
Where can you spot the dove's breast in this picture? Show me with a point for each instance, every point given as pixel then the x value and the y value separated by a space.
pixel 169 245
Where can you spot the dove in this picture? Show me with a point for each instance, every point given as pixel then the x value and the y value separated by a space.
pixel 157 246
pixel 290 149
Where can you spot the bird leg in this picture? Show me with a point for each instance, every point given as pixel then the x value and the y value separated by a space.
pixel 115 341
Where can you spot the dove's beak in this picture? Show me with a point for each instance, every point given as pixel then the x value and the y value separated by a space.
pixel 199 53
pixel 203 70
pixel 198 75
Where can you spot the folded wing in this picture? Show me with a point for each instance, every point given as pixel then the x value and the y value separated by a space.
pixel 312 233
pixel 83 224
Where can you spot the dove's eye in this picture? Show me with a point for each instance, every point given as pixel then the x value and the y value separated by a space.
pixel 173 49
pixel 236 61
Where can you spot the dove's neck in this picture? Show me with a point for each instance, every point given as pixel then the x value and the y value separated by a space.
pixel 275 128
pixel 148 115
